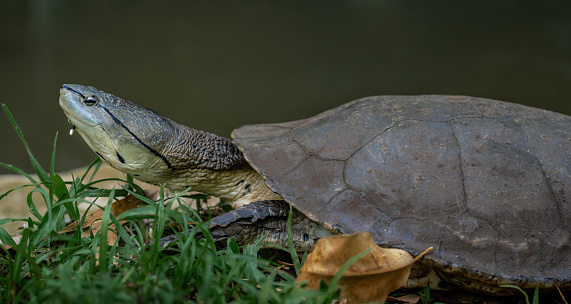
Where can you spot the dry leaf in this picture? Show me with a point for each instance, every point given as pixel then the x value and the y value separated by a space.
pixel 370 279
pixel 407 299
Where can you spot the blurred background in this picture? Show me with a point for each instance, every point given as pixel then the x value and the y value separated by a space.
pixel 216 65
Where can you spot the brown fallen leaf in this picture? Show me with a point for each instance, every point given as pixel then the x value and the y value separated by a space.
pixel 93 219
pixel 407 299
pixel 369 279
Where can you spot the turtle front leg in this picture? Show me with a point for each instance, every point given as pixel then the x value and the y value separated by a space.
pixel 248 223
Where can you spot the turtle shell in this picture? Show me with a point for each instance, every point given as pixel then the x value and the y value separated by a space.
pixel 487 183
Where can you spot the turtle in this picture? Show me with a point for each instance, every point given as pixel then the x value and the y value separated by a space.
pixel 486 182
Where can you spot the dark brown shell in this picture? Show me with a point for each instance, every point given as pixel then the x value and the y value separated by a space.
pixel 487 183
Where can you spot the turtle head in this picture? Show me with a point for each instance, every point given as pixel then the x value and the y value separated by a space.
pixel 157 150
pixel 127 136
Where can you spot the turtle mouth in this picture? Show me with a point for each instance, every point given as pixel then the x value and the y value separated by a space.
pixel 79 121
pixel 77 114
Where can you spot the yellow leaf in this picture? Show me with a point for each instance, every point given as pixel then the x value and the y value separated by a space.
pixel 370 279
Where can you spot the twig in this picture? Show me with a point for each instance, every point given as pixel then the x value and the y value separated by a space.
pixel 561 294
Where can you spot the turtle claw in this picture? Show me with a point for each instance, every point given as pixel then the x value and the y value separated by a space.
pixel 269 219
pixel 245 224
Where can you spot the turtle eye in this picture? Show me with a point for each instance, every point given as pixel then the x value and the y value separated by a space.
pixel 90 101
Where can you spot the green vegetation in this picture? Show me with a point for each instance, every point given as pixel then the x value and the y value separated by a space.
pixel 535 293
pixel 48 267
pixel 425 295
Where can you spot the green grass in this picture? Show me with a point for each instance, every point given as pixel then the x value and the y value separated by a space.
pixel 425 295
pixel 535 299
pixel 48 267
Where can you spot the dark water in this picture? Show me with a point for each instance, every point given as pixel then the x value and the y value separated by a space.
pixel 216 65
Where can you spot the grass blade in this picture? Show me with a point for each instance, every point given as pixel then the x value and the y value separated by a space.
pixel 521 290
pixel 536 295
pixel 61 192
pixel 103 246
pixel 337 277
pixel 21 172
pixel 35 164
pixel 6 238
pixel 292 251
